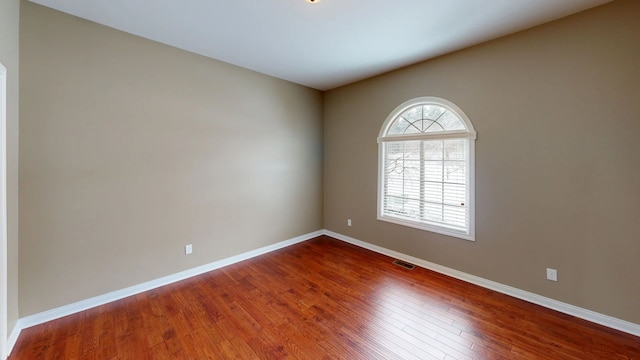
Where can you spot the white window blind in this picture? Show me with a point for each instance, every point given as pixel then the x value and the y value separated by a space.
pixel 425 176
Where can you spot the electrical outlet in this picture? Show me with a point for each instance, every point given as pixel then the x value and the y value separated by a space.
pixel 188 249
pixel 348 222
pixel 552 274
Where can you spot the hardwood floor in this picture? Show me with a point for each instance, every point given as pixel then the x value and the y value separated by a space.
pixel 322 299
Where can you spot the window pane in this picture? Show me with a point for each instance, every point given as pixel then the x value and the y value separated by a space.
pixel 435 127
pixel 414 128
pixel 426 124
pixel 454 194
pixel 432 112
pixel 412 149
pixel 432 212
pixel 398 127
pixel 433 171
pixel 433 150
pixel 394 166
pixel 454 172
pixel 415 113
pixel 403 208
pixel 455 216
pixel 450 121
pixel 394 184
pixel 433 192
pixel 454 149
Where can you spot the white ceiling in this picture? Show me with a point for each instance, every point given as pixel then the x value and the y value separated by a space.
pixel 322 45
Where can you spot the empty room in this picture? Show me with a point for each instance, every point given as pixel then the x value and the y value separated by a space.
pixel 320 179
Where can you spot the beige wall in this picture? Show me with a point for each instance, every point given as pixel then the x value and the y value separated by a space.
pixel 9 32
pixel 131 149
pixel 557 110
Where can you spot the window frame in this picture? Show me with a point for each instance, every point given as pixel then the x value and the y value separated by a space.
pixel 469 135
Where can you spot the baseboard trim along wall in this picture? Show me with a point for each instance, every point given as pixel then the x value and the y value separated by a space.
pixel 13 337
pixel 559 306
pixel 62 311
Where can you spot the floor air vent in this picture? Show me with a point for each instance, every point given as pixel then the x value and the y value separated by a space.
pixel 404 264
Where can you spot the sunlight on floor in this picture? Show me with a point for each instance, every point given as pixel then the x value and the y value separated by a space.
pixel 420 326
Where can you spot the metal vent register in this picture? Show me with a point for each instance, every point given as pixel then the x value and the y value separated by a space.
pixel 404 264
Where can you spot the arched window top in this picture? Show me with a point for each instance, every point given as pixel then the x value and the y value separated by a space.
pixel 427 117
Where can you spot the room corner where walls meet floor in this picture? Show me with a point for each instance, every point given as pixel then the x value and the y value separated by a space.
pixel 569 309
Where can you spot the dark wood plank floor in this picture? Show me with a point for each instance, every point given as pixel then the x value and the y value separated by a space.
pixel 322 299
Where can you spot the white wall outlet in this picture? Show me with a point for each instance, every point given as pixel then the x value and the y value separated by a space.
pixel 552 274
pixel 188 249
pixel 348 222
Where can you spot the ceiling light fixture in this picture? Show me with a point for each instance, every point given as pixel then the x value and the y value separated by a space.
pixel 313 1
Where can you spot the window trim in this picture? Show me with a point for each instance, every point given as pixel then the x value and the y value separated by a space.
pixel 470 134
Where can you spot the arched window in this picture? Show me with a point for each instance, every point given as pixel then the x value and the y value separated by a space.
pixel 426 175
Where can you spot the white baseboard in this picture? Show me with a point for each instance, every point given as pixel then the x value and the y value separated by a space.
pixel 605 320
pixel 13 336
pixel 62 311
